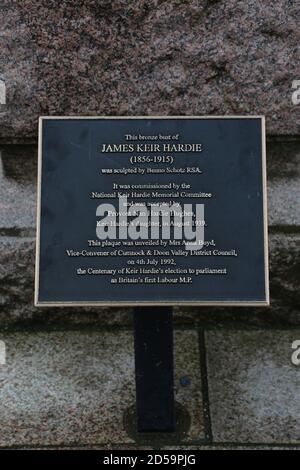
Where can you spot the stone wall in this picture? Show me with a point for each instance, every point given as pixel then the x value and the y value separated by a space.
pixel 154 57
pixel 148 57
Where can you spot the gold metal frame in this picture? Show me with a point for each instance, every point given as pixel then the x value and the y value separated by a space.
pixel 120 303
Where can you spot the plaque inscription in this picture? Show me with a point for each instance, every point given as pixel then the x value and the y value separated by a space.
pixel 151 210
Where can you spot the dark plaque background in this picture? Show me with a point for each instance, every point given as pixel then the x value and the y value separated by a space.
pixel 231 162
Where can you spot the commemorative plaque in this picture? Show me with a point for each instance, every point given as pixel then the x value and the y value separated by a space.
pixel 151 211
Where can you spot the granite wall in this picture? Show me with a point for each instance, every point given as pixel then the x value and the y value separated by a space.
pixel 150 57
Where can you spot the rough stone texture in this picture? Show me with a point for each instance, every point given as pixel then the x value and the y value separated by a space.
pixel 17 285
pixel 284 202
pixel 283 155
pixel 18 170
pixel 66 388
pixel 284 290
pixel 17 261
pixel 149 57
pixel 283 171
pixel 253 386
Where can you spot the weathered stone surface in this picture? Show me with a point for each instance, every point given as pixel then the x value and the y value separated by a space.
pixel 17 261
pixel 284 290
pixel 283 158
pixel 283 170
pixel 253 386
pixel 17 285
pixel 18 173
pixel 148 58
pixel 63 388
pixel 284 202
